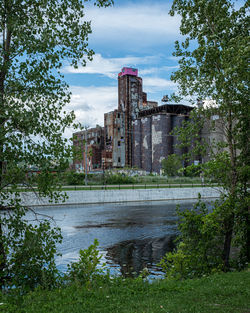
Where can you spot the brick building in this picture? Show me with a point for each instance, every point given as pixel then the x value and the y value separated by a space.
pixel 95 145
pixel 137 133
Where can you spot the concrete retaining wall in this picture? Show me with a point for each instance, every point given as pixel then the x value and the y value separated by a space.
pixel 127 195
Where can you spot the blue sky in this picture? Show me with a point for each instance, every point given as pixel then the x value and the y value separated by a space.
pixel 139 34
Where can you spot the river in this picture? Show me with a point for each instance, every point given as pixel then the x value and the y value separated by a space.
pixel 131 236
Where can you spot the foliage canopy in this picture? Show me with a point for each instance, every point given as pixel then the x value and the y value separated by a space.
pixel 37 38
pixel 213 72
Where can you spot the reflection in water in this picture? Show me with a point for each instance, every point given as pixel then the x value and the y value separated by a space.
pixel 128 233
pixel 135 255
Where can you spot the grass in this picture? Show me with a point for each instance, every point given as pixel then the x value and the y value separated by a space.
pixel 148 179
pixel 95 182
pixel 222 293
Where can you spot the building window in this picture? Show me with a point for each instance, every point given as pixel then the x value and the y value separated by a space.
pixel 118 115
pixel 119 159
pixel 118 129
pixel 119 143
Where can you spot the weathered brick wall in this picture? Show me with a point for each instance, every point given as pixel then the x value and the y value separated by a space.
pixel 130 98
pixel 137 143
pixel 152 141
pixel 177 121
pixel 161 141
pixel 119 140
pixel 146 149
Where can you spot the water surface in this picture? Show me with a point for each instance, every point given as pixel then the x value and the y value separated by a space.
pixel 131 236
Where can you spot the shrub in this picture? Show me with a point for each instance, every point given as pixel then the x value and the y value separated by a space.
pixel 171 165
pixel 192 170
pixel 199 250
pixel 73 178
pixel 119 179
pixel 86 268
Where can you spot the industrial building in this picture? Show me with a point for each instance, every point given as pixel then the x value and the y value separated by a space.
pixel 152 138
pixel 92 142
pixel 136 134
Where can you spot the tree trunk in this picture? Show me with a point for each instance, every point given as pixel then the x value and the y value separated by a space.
pixel 3 72
pixel 246 218
pixel 230 216
pixel 227 241
pixel 2 260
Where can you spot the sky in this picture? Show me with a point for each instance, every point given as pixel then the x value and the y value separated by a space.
pixel 138 34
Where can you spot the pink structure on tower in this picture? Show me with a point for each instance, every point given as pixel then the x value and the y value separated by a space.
pixel 128 71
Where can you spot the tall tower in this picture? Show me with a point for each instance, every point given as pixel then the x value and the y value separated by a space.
pixel 130 101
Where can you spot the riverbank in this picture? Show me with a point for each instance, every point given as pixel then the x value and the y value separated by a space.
pixel 124 195
pixel 222 293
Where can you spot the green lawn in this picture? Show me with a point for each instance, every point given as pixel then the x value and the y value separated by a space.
pixel 222 293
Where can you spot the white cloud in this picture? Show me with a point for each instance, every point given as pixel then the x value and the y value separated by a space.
pixel 174 58
pixel 208 103
pixel 155 84
pixel 157 70
pixel 149 71
pixel 90 103
pixel 133 26
pixel 110 67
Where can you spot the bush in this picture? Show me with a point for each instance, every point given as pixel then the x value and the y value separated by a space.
pixel 199 250
pixel 86 269
pixel 119 179
pixel 192 170
pixel 171 165
pixel 73 178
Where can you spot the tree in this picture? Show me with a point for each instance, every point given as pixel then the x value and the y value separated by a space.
pixel 37 38
pixel 171 165
pixel 213 67
pixel 198 244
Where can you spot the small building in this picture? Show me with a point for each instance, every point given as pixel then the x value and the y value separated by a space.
pixel 95 143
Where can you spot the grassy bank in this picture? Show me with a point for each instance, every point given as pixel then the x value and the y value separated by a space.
pixel 222 293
